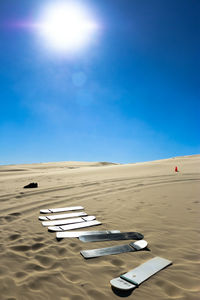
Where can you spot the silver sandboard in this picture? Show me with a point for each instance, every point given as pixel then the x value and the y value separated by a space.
pixel 112 237
pixel 138 275
pixel 134 246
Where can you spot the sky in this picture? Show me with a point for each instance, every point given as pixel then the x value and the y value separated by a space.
pixel 131 94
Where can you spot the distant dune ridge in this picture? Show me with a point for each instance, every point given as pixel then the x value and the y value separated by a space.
pixel 149 197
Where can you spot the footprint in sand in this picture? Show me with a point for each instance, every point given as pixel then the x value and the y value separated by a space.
pixel 8 218
pixel 16 214
pixel 35 284
pixel 37 246
pixel 75 246
pixel 22 248
pixel 39 239
pixel 117 262
pixel 44 260
pixel 14 237
pixel 61 250
pixel 34 267
pixel 11 217
pixel 20 274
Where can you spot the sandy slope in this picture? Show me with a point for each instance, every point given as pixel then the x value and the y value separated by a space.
pixel 148 197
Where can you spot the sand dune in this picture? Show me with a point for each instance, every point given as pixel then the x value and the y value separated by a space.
pixel 146 197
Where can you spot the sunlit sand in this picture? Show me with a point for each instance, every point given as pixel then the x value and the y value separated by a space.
pixel 150 198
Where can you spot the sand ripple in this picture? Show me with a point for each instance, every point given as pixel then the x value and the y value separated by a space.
pixel 148 198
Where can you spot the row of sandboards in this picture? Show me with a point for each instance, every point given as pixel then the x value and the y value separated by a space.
pixel 62 223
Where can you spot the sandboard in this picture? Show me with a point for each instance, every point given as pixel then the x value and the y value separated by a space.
pixel 62 216
pixel 135 277
pixel 134 246
pixel 55 210
pixel 112 237
pixel 74 226
pixel 61 235
pixel 68 221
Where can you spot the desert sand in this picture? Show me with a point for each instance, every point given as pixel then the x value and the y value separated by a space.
pixel 149 198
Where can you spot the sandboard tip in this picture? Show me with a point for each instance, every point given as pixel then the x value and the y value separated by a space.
pixel 121 284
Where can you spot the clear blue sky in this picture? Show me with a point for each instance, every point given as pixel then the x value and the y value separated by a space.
pixel 132 95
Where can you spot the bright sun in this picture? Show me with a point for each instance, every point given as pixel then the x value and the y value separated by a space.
pixel 66 26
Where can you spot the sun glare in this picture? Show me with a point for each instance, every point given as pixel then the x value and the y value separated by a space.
pixel 66 26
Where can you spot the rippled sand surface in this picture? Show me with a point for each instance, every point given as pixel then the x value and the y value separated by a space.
pixel 146 197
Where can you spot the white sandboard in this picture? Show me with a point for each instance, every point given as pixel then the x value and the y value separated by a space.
pixel 61 235
pixel 62 216
pixel 68 221
pixel 74 226
pixel 138 275
pixel 55 210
